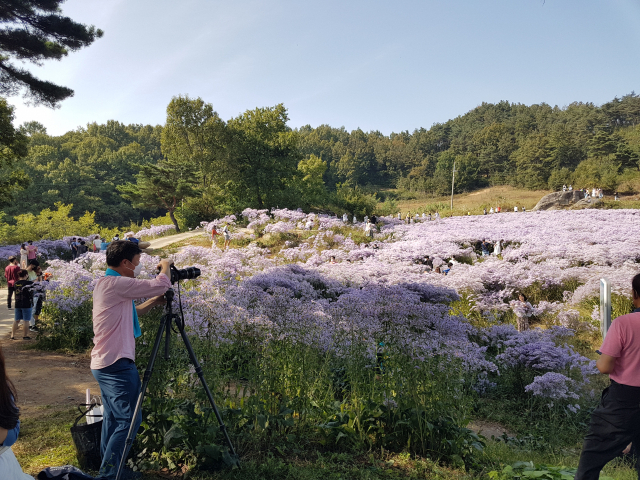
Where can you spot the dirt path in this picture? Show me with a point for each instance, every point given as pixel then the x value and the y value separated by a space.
pixel 45 378
pixel 164 241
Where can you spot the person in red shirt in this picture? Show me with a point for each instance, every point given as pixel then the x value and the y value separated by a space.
pixel 11 274
pixel 214 233
pixel 616 420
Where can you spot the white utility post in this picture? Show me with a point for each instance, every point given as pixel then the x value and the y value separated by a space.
pixel 605 306
pixel 453 179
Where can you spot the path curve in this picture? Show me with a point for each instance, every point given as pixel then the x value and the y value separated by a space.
pixel 164 241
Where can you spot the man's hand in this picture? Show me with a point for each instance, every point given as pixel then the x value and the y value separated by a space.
pixel 159 300
pixel 165 266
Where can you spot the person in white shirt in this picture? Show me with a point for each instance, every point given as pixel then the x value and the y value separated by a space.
pixel 515 209
pixel 97 243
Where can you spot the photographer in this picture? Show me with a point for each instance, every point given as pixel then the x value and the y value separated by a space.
pixel 115 326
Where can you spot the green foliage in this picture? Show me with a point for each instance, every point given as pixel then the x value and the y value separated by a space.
pixel 520 470
pixel 13 147
pixel 70 331
pixel 164 185
pixel 35 31
pixel 49 224
pixel 353 201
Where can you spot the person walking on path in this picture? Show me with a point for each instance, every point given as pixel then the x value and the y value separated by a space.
pixel 24 297
pixel 11 273
pixel 616 420
pixel 23 256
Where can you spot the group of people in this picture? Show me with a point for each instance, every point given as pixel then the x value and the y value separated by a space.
pixel 226 234
pixel 416 217
pixel 26 284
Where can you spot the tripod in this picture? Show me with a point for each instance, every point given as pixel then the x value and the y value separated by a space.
pixel 165 326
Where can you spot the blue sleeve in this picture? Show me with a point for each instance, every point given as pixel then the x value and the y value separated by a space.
pixel 12 436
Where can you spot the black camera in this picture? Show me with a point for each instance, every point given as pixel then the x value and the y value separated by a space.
pixel 183 273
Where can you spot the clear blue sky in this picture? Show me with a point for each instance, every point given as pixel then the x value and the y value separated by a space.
pixel 387 66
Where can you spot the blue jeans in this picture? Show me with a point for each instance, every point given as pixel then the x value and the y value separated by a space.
pixel 22 314
pixel 120 387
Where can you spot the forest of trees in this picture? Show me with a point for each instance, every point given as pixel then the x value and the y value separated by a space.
pixel 198 166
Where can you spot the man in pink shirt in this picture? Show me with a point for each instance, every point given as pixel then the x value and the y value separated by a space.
pixel 11 274
pixel 115 326
pixel 616 421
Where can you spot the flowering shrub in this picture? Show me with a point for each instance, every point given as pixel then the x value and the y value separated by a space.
pixel 156 231
pixel 373 330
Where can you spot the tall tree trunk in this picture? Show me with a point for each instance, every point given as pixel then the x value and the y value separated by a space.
pixel 173 219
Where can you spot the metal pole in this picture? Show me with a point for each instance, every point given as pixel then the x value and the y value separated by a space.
pixel 453 179
pixel 605 306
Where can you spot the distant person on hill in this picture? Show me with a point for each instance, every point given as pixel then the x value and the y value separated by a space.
pixel 498 248
pixel 368 229
pixel 23 256
pixel 524 208
pixel 484 211
pixel 345 218
pixel 399 216
pixel 523 311
pixel 437 216
pixel 616 197
pixel 485 246
pixel 374 219
pixel 32 251
pixel 12 274
pixel 116 238
pixel 491 210
pixel 82 248
pixel 74 248
pixel 214 234
pixel 616 420
pixel 429 217
pixel 97 242
pixel 564 188
pixel 227 236
pixel 570 188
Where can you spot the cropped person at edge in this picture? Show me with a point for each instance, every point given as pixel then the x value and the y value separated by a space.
pixel 115 327
pixel 616 420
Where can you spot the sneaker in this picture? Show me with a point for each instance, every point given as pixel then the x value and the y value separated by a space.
pixel 33 328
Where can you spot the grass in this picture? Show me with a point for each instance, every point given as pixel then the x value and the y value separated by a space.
pixel 45 441
pixel 504 196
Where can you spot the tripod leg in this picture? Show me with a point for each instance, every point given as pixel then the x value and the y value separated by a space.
pixel 165 323
pixel 196 364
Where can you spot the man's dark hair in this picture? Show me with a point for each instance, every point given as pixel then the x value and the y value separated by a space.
pixel 34 262
pixel 12 259
pixel 23 273
pixel 121 250
pixel 635 284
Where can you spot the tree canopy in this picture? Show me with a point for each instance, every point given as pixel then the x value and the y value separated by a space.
pixel 35 31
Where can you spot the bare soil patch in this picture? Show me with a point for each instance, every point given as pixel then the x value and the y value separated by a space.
pixel 48 379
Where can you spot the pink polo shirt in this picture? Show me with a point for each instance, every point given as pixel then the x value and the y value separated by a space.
pixel 113 316
pixel 623 343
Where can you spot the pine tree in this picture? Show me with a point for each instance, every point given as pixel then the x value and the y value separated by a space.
pixel 34 31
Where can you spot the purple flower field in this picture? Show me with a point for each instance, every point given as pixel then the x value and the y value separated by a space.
pixel 379 300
